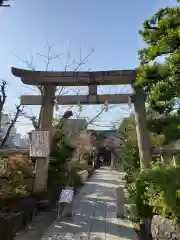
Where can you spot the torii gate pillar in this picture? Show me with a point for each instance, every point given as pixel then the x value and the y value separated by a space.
pixel 138 100
pixel 92 79
pixel 41 169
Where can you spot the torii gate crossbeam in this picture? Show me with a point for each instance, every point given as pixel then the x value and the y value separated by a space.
pixel 79 99
pixel 91 79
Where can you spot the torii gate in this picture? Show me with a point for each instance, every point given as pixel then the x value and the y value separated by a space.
pixel 91 79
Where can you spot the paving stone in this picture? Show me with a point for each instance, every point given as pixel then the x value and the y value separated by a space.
pixel 94 213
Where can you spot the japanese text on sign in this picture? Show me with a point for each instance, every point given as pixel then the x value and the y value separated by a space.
pixel 39 146
pixel 66 196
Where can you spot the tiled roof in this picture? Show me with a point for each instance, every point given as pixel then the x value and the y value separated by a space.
pixel 106 133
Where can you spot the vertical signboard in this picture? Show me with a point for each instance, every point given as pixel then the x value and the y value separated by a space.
pixel 39 145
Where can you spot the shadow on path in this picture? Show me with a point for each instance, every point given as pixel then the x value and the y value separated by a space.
pixel 94 214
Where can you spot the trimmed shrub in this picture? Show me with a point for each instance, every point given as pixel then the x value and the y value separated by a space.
pixel 13 173
pixel 156 190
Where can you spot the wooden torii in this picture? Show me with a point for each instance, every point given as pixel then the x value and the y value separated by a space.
pixel 91 79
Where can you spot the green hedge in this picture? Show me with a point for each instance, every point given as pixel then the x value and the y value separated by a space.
pixel 156 190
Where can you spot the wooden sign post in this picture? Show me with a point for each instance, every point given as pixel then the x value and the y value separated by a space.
pixel 39 149
pixel 39 146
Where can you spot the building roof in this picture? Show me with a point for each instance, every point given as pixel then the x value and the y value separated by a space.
pixel 75 125
pixel 106 133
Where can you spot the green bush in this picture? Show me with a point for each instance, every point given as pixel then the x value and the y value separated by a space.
pixel 130 151
pixel 59 159
pixel 11 189
pixel 15 165
pixel 74 179
pixel 63 171
pixel 156 190
pixel 13 172
pixel 80 166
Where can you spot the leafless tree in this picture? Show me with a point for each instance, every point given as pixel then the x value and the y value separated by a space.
pixel 69 65
pixel 19 110
pixel 83 146
pixel 33 120
pixel 2 97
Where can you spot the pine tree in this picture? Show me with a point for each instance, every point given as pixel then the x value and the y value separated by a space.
pixel 159 71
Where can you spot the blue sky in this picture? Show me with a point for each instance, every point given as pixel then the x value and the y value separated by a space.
pixel 109 27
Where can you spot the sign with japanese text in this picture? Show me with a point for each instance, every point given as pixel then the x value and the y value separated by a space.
pixel 39 146
pixel 66 196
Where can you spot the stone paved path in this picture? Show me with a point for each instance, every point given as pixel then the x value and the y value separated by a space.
pixel 94 213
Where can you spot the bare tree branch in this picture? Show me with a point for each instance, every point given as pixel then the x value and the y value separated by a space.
pixel 48 58
pixel 33 120
pixel 28 63
pixel 96 116
pixel 68 58
pixel 2 97
pixel 19 110
pixel 82 61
